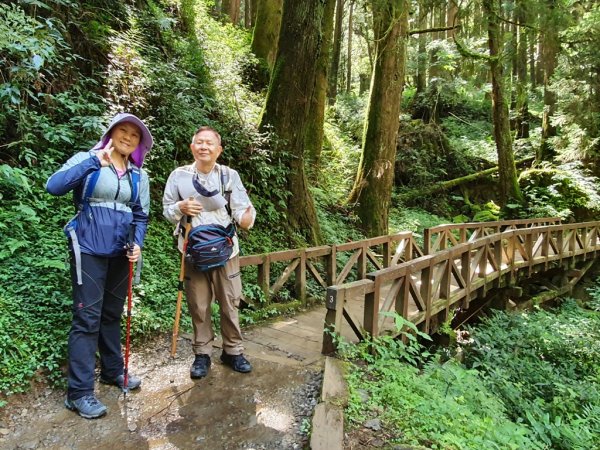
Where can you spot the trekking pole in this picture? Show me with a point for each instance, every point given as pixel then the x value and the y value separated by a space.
pixel 188 225
pixel 129 304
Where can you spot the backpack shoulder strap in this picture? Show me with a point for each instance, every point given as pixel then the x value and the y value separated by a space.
pixel 136 176
pixel 89 187
pixel 225 177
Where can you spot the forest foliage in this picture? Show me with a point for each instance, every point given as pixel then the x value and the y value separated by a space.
pixel 516 381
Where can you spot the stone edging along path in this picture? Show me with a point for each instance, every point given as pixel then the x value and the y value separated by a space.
pixel 328 418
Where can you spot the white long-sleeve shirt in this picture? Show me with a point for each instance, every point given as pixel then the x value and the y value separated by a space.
pixel 180 187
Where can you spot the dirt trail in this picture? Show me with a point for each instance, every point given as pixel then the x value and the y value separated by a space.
pixel 266 409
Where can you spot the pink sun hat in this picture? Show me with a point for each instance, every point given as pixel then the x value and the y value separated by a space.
pixel 146 142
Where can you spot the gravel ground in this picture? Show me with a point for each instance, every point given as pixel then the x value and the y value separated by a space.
pixel 270 408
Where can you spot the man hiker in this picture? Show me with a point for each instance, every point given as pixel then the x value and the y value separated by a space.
pixel 213 197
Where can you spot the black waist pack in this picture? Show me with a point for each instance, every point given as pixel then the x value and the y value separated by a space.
pixel 210 246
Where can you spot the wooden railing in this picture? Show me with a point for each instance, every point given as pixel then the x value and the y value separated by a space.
pixel 426 289
pixel 321 263
pixel 445 236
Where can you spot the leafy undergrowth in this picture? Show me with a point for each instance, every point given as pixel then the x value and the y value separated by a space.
pixel 545 367
pixel 529 381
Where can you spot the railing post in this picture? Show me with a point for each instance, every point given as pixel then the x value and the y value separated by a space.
pixel 403 296
pixel 334 302
pixel 300 277
pixel 546 248
pixel 371 313
pixel 529 250
pixel 465 262
pixel 426 278
pixel 387 255
pixel 427 241
pixel 362 262
pixel 408 251
pixel 264 270
pixel 332 266
pixel 445 286
pixel 572 242
pixel 498 259
pixel 584 239
pixel 560 242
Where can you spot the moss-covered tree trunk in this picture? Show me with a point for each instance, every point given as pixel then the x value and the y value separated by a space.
pixel 336 52
pixel 451 19
pixel 288 105
pixel 372 189
pixel 247 13
pixel 266 30
pixel 232 9
pixel 421 78
pixel 314 131
pixel 522 103
pixel 549 59
pixel 509 185
pixel 349 48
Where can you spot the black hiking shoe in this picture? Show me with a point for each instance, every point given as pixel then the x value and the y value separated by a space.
pixel 87 406
pixel 133 382
pixel 200 366
pixel 236 362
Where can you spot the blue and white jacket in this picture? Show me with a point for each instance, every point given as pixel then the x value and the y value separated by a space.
pixel 102 223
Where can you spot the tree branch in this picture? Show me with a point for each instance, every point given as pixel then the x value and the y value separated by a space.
pixel 433 30
pixel 464 51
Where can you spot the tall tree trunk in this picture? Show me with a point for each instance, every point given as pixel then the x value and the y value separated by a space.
pixel 452 12
pixel 314 130
pixel 248 13
pixel 539 70
pixel 336 52
pixel 288 106
pixel 372 189
pixel 364 32
pixel 232 9
pixel 549 60
pixel 349 58
pixel 509 185
pixel 532 65
pixel 421 81
pixel 438 20
pixel 253 8
pixel 266 29
pixel 522 103
pixel 477 20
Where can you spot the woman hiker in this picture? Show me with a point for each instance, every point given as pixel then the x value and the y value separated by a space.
pixel 112 198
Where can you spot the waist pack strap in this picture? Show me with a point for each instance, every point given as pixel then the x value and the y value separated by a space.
pixel 76 253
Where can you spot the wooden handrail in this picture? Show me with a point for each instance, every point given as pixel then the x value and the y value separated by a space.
pixel 395 248
pixel 426 289
pixel 443 236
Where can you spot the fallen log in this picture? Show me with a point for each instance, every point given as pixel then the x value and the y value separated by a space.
pixel 450 184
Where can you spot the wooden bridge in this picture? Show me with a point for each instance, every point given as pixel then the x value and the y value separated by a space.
pixel 458 268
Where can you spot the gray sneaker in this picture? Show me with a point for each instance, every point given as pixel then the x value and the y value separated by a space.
pixel 87 406
pixel 133 382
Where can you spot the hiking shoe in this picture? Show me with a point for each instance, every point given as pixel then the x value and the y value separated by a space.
pixel 133 382
pixel 200 366
pixel 236 362
pixel 87 406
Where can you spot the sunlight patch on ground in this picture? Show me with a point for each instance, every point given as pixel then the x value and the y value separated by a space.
pixel 272 418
